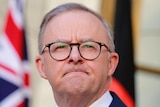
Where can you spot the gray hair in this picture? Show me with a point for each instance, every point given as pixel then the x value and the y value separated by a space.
pixel 69 7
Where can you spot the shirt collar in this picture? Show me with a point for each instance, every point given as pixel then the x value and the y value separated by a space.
pixel 103 101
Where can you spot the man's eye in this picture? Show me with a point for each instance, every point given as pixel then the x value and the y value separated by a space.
pixel 88 46
pixel 61 47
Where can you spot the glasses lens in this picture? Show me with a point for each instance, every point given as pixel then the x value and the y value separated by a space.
pixel 59 50
pixel 89 50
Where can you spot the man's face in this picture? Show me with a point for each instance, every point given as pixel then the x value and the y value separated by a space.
pixel 76 75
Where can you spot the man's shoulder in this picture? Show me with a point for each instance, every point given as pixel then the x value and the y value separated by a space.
pixel 117 102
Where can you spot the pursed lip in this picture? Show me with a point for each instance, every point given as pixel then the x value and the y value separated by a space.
pixel 76 72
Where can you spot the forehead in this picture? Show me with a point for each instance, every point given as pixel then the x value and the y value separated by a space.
pixel 75 16
pixel 77 23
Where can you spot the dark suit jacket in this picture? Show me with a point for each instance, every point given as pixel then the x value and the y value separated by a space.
pixel 116 102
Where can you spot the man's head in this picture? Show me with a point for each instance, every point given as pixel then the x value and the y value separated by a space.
pixel 69 7
pixel 79 74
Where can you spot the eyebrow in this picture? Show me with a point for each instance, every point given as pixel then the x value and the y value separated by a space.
pixel 60 40
pixel 87 39
pixel 69 41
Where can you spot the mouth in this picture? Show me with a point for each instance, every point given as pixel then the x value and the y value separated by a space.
pixel 76 73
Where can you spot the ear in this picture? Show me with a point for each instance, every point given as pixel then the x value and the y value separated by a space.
pixel 40 66
pixel 113 62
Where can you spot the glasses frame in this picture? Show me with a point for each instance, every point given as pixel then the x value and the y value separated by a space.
pixel 75 44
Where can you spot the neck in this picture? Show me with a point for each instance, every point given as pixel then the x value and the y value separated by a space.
pixel 71 100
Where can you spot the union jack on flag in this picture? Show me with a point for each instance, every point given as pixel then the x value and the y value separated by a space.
pixel 14 65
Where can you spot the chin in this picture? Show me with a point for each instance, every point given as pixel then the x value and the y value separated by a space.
pixel 77 85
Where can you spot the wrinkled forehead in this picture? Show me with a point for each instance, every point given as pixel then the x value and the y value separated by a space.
pixel 77 15
pixel 81 14
pixel 75 21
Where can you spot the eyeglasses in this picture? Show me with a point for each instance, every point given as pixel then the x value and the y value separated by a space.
pixel 88 50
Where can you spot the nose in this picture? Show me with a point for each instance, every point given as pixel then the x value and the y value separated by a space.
pixel 75 56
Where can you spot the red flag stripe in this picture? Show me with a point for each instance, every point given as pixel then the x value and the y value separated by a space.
pixel 21 105
pixel 11 29
pixel 117 87
pixel 26 80
pixel 8 69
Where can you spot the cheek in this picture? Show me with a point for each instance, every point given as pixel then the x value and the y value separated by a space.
pixel 53 72
pixel 99 74
pixel 99 68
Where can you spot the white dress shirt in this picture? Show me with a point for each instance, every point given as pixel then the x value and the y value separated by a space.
pixel 103 101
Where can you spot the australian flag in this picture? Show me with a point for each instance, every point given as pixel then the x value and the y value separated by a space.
pixel 14 65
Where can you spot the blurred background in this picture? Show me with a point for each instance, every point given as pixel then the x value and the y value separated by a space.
pixel 146 43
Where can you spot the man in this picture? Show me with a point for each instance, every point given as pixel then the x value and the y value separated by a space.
pixel 77 57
